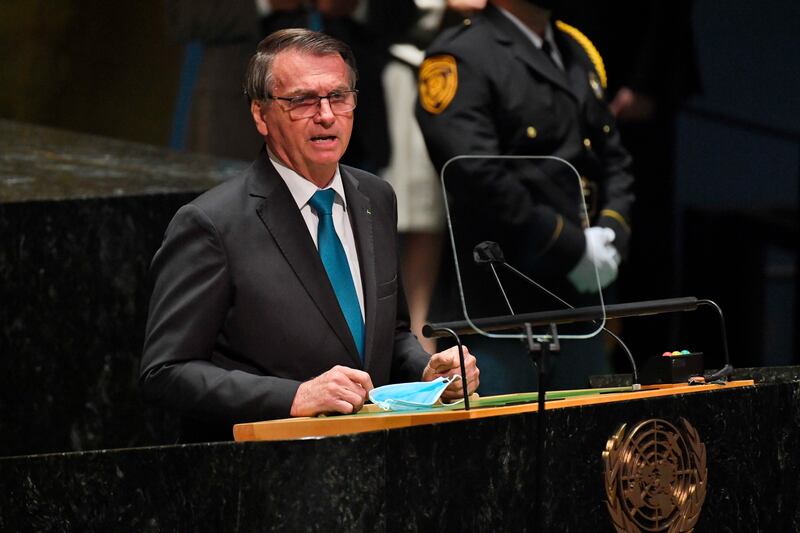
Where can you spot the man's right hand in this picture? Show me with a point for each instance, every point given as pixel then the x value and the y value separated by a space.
pixel 339 390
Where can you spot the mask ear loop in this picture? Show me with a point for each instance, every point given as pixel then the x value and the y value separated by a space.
pixel 452 379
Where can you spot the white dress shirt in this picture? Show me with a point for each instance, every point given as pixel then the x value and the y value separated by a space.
pixel 535 39
pixel 302 190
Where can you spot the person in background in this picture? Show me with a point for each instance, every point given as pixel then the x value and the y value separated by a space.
pixel 510 81
pixel 648 50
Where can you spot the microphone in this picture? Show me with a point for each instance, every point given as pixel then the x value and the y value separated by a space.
pixel 727 370
pixel 489 253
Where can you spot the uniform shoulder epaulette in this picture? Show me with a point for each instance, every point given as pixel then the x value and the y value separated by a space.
pixel 588 47
pixel 454 31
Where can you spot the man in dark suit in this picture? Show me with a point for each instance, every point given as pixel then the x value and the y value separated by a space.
pixel 510 82
pixel 248 320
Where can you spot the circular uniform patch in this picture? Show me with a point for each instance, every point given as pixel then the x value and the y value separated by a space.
pixel 438 82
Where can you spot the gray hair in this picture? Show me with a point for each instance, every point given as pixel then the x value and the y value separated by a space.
pixel 258 81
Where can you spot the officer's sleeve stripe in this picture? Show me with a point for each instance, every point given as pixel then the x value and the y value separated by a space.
pixel 554 237
pixel 610 213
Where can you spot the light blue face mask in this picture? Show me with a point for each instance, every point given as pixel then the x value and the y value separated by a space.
pixel 410 396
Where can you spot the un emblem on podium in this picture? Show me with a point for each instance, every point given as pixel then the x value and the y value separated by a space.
pixel 655 477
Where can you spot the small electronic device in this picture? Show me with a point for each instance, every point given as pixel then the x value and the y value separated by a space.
pixel 672 367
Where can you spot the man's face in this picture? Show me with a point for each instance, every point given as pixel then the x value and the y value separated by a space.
pixel 310 146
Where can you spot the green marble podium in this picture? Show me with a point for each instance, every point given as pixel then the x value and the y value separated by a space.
pixel 469 475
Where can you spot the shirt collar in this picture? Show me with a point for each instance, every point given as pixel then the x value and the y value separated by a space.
pixel 532 35
pixel 302 189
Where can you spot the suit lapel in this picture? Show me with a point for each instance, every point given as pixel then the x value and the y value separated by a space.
pixel 359 209
pixel 279 214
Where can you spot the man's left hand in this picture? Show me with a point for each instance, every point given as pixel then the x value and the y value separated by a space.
pixel 446 364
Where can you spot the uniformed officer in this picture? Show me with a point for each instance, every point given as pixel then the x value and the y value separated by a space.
pixel 509 81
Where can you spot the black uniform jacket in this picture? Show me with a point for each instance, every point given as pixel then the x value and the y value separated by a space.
pixel 511 99
pixel 242 310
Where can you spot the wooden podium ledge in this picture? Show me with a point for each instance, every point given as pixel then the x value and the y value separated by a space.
pixel 373 419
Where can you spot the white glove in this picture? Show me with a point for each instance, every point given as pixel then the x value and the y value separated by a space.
pixel 600 261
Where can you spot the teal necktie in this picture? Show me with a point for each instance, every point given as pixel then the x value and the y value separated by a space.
pixel 335 261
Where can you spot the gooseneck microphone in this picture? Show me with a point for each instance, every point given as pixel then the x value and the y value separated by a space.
pixel 726 370
pixel 489 253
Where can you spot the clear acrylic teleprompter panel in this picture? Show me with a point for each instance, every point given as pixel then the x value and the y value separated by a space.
pixel 535 208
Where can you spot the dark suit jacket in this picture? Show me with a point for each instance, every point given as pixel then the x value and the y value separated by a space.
pixel 242 310
pixel 511 100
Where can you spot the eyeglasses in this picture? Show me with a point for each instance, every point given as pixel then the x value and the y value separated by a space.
pixel 307 105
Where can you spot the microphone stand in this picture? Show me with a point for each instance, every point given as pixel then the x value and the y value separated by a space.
pixel 539 351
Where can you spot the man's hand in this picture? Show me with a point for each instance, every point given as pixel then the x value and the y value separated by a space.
pixel 339 390
pixel 445 364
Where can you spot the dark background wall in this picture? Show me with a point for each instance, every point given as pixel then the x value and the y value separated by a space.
pixel 738 169
pixel 98 67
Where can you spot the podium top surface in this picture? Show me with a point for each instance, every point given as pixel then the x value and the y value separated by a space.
pixel 372 419
pixel 39 163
